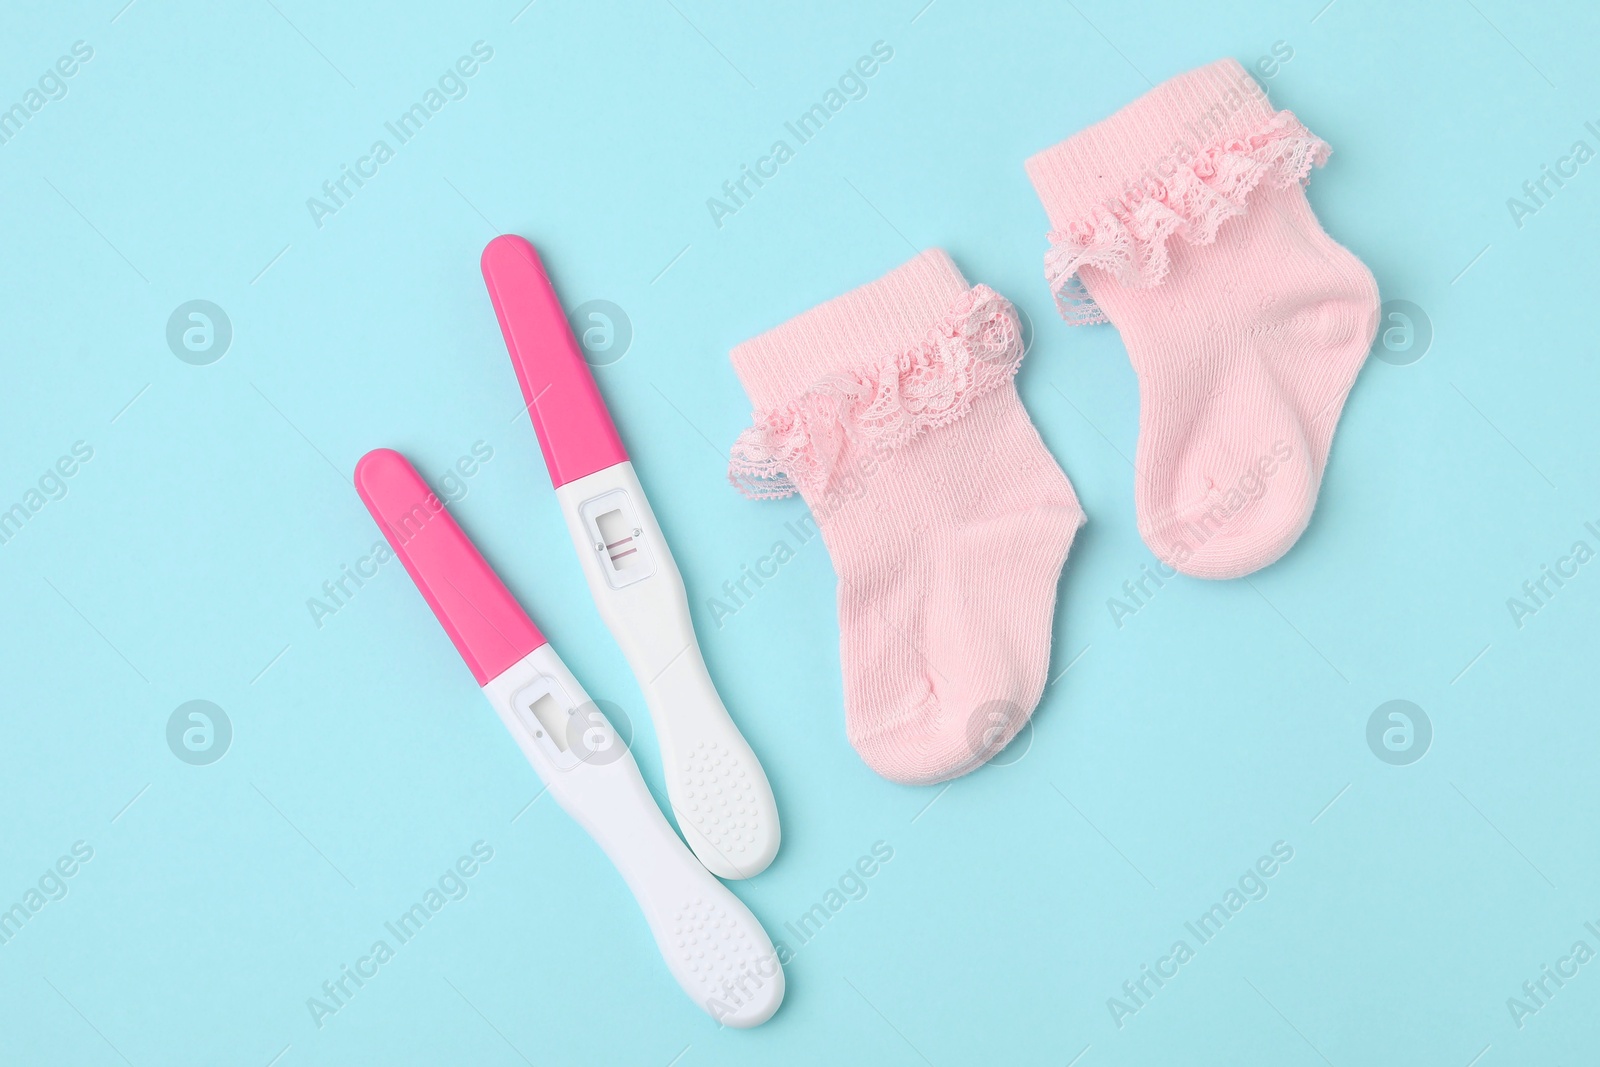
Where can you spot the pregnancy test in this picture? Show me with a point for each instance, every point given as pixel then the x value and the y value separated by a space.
pixel 718 791
pixel 713 946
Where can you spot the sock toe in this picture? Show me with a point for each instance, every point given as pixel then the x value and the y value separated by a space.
pixel 1213 502
pixel 982 668
pixel 1254 537
pixel 935 740
pixel 929 745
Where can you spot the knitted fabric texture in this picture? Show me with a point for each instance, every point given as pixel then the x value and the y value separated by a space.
pixel 892 411
pixel 1183 220
pixel 974 346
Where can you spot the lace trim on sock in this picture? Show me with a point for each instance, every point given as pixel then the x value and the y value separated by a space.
pixel 974 347
pixel 1128 238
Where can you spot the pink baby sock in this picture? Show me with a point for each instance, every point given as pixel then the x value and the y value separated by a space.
pixel 1183 220
pixel 892 411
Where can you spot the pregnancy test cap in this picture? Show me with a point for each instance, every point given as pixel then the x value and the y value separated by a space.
pixel 575 430
pixel 485 622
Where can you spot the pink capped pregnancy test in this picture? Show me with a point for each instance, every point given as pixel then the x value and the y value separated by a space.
pixel 718 790
pixel 713 946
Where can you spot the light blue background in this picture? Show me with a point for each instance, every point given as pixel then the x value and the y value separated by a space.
pixel 1178 748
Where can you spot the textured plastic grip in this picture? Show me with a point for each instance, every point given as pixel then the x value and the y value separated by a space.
pixel 575 429
pixel 714 946
pixel 488 626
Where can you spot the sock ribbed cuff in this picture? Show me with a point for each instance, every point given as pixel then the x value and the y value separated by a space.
pixel 867 373
pixel 1148 139
pixel 1175 164
pixel 887 315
